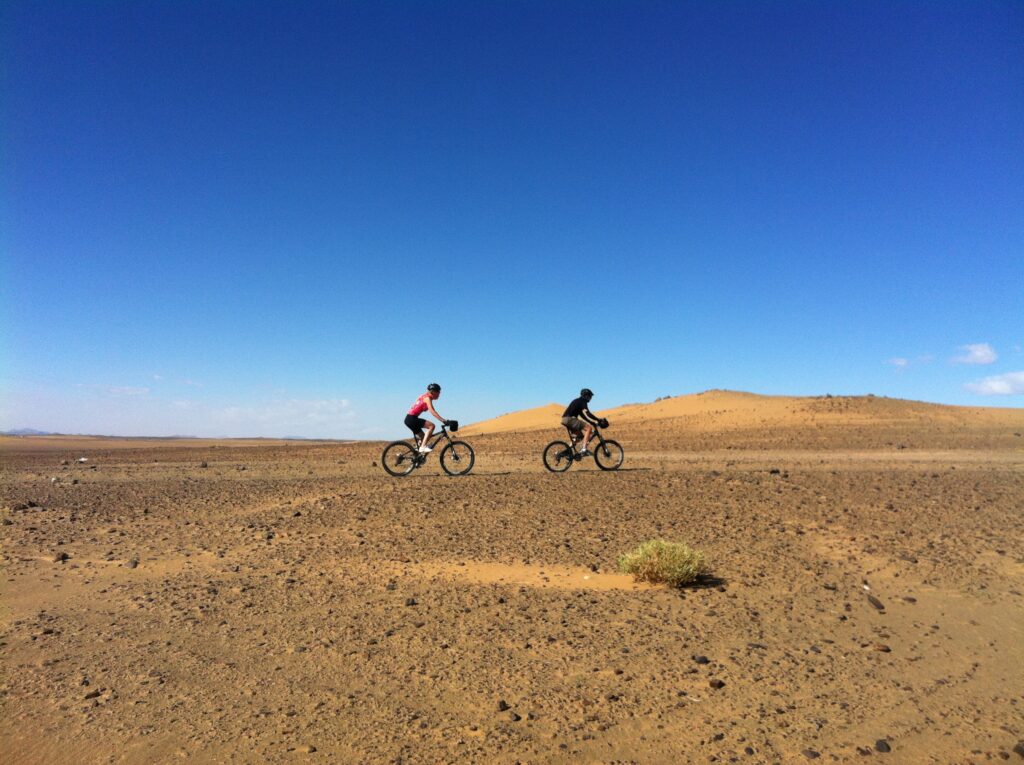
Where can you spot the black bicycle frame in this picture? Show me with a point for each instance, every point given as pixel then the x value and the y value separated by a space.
pixel 573 439
pixel 437 436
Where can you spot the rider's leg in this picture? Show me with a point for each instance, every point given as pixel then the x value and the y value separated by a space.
pixel 429 428
pixel 588 431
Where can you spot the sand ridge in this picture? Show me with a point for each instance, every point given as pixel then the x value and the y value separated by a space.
pixel 720 409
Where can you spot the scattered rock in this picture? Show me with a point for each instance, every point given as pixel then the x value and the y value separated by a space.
pixel 133 563
pixel 876 602
pixel 93 694
pixel 716 683
pixel 60 557
pixel 702 659
pixel 810 754
pixel 503 705
pixel 882 745
pixel 882 647
pixel 411 601
pixel 204 464
pixel 1019 748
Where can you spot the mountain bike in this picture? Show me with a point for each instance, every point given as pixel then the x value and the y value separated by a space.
pixel 559 455
pixel 457 457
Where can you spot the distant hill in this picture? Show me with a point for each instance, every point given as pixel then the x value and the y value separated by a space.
pixel 26 432
pixel 724 410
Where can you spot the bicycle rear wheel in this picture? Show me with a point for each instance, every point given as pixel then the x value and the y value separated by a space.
pixel 398 458
pixel 457 458
pixel 558 456
pixel 608 455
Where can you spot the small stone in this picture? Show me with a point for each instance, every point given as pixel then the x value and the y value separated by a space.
pixel 810 754
pixel 876 602
pixel 909 599
pixel 204 464
pixel 503 705
pixel 882 647
pixel 702 659
pixel 716 683
pixel 92 695
pixel 882 745
pixel 133 563
pixel 1019 748
pixel 411 601
pixel 60 557
pixel 513 717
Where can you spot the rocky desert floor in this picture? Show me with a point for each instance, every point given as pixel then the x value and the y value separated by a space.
pixel 293 603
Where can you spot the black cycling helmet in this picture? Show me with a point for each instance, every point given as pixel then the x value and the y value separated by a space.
pixel 434 388
pixel 587 393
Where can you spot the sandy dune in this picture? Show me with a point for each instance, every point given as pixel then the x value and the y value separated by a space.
pixel 721 409
pixel 292 603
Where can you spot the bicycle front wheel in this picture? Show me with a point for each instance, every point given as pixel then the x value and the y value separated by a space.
pixel 608 455
pixel 398 458
pixel 558 456
pixel 457 458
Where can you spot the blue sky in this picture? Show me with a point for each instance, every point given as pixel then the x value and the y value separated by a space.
pixel 243 218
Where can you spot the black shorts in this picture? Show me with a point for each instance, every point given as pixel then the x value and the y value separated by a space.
pixel 414 423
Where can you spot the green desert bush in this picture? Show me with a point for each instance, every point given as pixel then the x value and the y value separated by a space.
pixel 658 561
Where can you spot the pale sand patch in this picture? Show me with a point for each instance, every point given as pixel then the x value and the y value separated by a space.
pixel 525 574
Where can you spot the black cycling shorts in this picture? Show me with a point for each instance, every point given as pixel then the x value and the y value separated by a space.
pixel 414 423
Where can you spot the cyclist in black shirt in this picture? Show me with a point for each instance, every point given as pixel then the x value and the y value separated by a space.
pixel 580 420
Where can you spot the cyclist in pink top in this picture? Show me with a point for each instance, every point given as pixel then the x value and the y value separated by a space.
pixel 417 424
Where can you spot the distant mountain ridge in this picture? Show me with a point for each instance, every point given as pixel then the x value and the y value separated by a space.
pixel 27 432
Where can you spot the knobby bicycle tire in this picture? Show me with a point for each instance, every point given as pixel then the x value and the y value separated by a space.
pixel 609 455
pixel 457 458
pixel 557 456
pixel 398 458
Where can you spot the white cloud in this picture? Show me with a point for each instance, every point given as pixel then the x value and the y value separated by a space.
pixel 1009 384
pixel 193 383
pixel 899 363
pixel 158 377
pixel 977 353
pixel 292 414
pixel 115 390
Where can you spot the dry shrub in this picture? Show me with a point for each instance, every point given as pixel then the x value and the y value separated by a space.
pixel 658 561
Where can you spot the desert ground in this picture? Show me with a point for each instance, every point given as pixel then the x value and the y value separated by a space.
pixel 252 602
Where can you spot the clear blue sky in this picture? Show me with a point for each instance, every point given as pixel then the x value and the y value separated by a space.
pixel 286 218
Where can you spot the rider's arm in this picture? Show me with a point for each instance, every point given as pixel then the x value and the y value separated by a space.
pixel 430 406
pixel 590 417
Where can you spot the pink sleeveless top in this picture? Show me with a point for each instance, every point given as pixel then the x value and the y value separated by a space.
pixel 420 406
